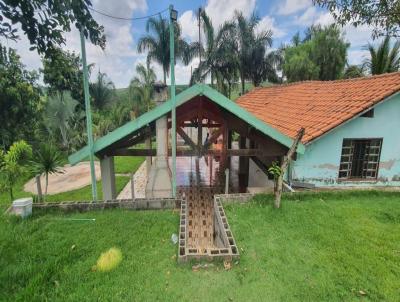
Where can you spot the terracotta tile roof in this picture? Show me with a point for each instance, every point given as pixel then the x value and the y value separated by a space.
pixel 317 106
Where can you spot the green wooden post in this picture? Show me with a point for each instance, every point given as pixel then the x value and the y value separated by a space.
pixel 173 16
pixel 88 117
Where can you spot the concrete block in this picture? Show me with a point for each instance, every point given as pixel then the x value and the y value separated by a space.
pixel 22 207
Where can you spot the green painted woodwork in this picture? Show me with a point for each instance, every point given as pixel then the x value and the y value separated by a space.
pixel 88 117
pixel 173 99
pixel 181 98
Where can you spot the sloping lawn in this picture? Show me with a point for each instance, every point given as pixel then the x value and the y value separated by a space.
pixel 318 247
pixel 81 194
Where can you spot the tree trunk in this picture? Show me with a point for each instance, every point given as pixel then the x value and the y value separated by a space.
pixel 284 164
pixel 278 191
pixel 47 184
pixel 242 81
pixel 165 76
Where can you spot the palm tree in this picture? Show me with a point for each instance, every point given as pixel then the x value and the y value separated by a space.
pixel 47 160
pixel 59 114
pixel 141 86
pixel 156 42
pixel 384 58
pixel 101 91
pixel 13 165
pixel 250 44
pixel 219 61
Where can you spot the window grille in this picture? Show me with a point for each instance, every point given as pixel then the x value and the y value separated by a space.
pixel 360 158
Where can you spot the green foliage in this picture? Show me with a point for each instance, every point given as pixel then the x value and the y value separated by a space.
pixel 275 170
pixel 62 71
pixel 102 91
pixel 44 23
pixel 20 99
pixel 156 42
pixel 383 16
pixel 47 160
pixel 141 88
pixel 384 58
pixel 321 56
pixel 59 116
pixel 13 165
pixel 318 247
pixel 298 65
pixel 353 71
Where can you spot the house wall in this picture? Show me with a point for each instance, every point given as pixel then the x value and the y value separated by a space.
pixel 320 162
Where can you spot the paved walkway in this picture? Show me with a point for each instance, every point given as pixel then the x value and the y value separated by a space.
pixel 140 179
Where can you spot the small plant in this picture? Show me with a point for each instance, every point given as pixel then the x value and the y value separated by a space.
pixel 13 165
pixel 108 260
pixel 47 159
pixel 275 170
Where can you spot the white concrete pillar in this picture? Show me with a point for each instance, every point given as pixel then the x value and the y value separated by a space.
pixel 108 178
pixel 148 158
pixel 159 180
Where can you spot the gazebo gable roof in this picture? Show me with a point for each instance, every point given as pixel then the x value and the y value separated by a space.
pixel 186 95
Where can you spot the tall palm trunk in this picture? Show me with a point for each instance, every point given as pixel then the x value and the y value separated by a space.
pixel 47 184
pixel 242 80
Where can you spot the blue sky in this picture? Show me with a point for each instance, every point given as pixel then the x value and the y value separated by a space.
pixel 283 17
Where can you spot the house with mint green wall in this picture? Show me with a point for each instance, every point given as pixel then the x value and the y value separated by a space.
pixel 352 129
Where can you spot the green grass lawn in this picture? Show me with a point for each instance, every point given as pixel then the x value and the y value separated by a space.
pixel 123 165
pixel 127 164
pixel 317 247
pixel 81 194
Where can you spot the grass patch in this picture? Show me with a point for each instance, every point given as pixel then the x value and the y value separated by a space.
pixel 81 194
pixel 85 193
pixel 317 247
pixel 127 164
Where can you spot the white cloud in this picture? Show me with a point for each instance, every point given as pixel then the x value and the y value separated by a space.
pixel 268 23
pixel 189 25
pixel 356 57
pixel 289 7
pixel 221 11
pixel 308 17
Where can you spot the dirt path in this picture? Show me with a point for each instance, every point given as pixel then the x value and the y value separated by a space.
pixel 74 177
pixel 140 179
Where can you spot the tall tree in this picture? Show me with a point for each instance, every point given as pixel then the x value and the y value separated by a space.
pixel 20 99
pixel 59 116
pixel 13 165
pixel 141 87
pixel 384 16
pixel 214 53
pixel 63 72
pixel 250 44
pixel 329 51
pixel 322 55
pixel 101 91
pixel 45 22
pixel 156 42
pixel 384 58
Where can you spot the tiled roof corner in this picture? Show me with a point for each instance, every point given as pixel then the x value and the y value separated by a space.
pixel 318 106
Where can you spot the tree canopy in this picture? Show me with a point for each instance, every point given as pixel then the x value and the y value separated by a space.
pixel 322 55
pixel 20 99
pixel 384 16
pixel 383 57
pixel 63 72
pixel 45 22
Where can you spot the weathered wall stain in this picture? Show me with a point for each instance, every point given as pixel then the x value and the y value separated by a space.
pixel 327 166
pixel 387 164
